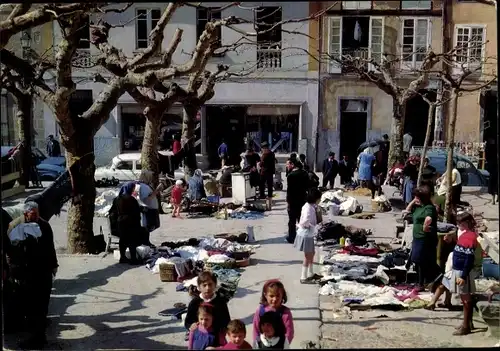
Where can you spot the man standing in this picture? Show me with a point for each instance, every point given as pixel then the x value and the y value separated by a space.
pixel 53 147
pixel 32 257
pixel 407 139
pixel 296 192
pixel 330 170
pixel 222 152
pixel 267 170
pixel 346 170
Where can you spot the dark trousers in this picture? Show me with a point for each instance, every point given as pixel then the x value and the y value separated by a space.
pixel 293 218
pixel 131 239
pixel 266 181
pixel 329 179
pixel 39 287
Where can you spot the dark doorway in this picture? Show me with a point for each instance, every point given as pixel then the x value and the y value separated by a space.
pixel 353 124
pixel 225 123
pixel 489 104
pixel 416 116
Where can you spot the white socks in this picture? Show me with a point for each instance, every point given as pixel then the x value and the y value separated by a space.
pixel 310 272
pixel 304 273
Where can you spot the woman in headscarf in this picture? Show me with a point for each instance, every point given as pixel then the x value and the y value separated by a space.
pixel 128 222
pixel 148 200
pixel 196 189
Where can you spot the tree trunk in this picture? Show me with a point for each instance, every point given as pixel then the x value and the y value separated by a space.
pixel 430 119
pixel 397 127
pixel 188 126
pixel 80 161
pixel 149 151
pixel 450 141
pixel 24 119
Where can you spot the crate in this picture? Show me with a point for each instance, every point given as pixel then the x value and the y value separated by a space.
pixel 168 272
pixel 490 269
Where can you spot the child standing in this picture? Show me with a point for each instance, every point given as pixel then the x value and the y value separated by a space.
pixel 207 283
pixel 272 332
pixel 176 198
pixel 304 241
pixel 203 335
pixel 236 333
pixel 273 299
pixel 461 278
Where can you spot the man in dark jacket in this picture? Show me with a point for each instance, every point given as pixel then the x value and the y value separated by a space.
pixel 330 170
pixel 34 263
pixel 296 192
pixel 53 147
pixel 267 170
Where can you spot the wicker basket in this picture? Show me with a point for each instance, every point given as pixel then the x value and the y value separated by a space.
pixel 243 263
pixel 168 272
pixel 240 255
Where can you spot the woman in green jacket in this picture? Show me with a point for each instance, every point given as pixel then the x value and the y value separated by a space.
pixel 424 245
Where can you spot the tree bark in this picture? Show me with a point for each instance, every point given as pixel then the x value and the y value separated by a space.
pixel 430 119
pixel 188 126
pixel 80 161
pixel 396 146
pixel 24 120
pixel 149 151
pixel 450 141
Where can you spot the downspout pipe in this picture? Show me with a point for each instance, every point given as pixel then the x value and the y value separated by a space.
pixel 320 92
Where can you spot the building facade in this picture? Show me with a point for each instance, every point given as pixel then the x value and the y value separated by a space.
pixel 353 110
pixel 475 25
pixel 38 40
pixel 276 99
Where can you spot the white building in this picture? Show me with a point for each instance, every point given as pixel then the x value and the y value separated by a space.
pixel 279 96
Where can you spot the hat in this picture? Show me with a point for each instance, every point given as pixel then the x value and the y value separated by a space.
pixel 179 182
pixel 30 205
pixel 264 144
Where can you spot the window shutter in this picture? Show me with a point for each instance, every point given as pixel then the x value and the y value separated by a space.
pixel 376 40
pixel 335 42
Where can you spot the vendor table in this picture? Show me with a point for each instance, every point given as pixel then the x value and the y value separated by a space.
pixel 242 191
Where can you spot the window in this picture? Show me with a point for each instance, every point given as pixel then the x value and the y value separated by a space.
pixel 470 44
pixel 138 165
pixel 7 119
pixel 84 42
pixel 356 36
pixel 145 21
pixel 124 165
pixel 205 15
pixel 416 5
pixel 415 41
pixel 268 36
pixel 356 5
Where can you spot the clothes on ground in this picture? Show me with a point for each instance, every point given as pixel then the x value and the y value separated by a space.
pixel 201 338
pixel 286 316
pixel 221 312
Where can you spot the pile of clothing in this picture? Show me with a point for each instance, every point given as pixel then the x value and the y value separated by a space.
pixel 334 202
pixel 333 230
pixel 240 213
pixel 104 201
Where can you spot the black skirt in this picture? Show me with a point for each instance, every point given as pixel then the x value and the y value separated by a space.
pixel 424 251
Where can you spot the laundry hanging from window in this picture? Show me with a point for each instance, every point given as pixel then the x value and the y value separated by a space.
pixel 357 31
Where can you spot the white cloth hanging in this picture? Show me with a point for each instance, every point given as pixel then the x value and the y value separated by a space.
pixel 357 31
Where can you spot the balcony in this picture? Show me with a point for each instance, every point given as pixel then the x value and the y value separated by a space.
pixel 268 58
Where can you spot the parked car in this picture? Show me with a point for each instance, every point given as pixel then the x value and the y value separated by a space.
pixel 471 176
pixel 125 167
pixel 48 168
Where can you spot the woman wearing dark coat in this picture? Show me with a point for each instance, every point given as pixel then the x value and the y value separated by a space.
pixel 128 222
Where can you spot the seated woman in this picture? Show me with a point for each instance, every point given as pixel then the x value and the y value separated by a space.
pixel 196 189
pixel 425 240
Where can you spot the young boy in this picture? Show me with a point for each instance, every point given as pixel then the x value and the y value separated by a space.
pixel 236 334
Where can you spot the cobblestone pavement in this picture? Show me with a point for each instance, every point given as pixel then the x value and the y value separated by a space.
pixel 99 304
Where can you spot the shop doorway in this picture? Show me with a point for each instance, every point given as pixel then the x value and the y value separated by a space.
pixel 489 105
pixel 416 117
pixel 353 125
pixel 225 123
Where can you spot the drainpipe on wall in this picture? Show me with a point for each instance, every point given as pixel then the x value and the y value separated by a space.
pixel 320 92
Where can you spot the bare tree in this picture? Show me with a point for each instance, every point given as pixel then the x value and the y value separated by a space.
pixel 384 75
pixel 465 76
